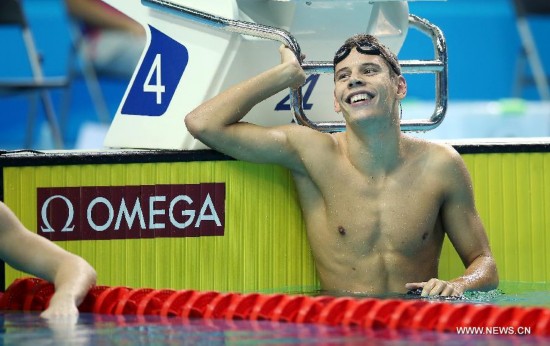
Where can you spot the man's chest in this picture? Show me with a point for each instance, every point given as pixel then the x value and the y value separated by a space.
pixel 396 213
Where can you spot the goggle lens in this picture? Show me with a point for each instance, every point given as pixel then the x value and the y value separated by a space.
pixel 363 47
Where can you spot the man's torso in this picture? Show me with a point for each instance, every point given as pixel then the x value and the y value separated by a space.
pixel 373 234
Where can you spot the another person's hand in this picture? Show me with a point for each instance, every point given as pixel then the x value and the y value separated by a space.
pixel 288 57
pixel 61 308
pixel 436 287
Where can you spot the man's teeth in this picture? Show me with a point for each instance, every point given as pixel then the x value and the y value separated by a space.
pixel 359 97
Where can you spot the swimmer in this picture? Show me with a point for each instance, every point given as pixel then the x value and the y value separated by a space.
pixel 377 203
pixel 24 250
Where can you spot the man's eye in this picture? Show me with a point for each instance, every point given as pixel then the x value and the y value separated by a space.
pixel 342 76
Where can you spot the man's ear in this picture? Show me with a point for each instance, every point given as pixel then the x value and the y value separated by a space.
pixel 401 87
pixel 336 105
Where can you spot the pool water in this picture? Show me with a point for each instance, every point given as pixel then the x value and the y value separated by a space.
pixel 507 294
pixel 514 293
pixel 27 328
pixel 92 329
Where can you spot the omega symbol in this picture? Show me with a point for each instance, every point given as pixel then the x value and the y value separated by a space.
pixel 46 222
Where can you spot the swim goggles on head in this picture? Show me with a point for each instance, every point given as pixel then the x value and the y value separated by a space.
pixel 368 48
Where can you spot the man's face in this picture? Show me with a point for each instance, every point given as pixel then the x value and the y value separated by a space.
pixel 363 87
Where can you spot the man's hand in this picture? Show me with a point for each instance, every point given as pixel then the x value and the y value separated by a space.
pixel 436 287
pixel 298 77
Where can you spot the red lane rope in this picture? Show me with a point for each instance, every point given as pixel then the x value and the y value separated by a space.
pixel 31 294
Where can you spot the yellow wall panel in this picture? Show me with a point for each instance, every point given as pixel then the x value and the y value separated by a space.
pixel 261 212
pixel 264 247
pixel 512 192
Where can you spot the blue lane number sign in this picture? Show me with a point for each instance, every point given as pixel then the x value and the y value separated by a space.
pixel 284 104
pixel 157 77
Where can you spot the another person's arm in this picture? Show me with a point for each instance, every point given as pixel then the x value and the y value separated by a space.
pixel 217 122
pixel 467 234
pixel 33 254
pixel 97 14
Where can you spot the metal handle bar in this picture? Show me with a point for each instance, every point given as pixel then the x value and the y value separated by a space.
pixel 225 24
pixel 437 66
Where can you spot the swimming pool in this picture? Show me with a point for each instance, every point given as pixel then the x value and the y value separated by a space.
pixel 93 329
pixel 122 315
pixel 510 185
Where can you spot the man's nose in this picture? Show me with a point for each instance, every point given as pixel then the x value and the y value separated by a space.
pixel 354 81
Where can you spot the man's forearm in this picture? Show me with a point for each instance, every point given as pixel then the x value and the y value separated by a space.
pixel 481 275
pixel 232 105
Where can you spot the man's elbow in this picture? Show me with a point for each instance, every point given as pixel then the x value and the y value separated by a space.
pixel 491 274
pixel 493 280
pixel 482 274
pixel 194 125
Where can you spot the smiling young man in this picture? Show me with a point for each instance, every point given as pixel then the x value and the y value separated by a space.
pixel 377 203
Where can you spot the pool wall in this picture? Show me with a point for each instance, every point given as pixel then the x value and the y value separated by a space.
pixel 254 241
pixel 512 192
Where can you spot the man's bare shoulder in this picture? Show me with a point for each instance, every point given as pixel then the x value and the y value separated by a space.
pixel 315 150
pixel 437 152
pixel 306 138
pixel 442 160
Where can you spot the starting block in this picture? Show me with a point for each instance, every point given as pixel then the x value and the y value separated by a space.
pixel 195 49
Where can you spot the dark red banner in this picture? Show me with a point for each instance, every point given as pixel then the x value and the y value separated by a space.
pixel 127 212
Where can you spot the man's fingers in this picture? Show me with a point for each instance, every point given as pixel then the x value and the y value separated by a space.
pixel 435 287
pixel 413 285
pixel 438 288
pixel 431 288
pixel 427 290
pixel 449 291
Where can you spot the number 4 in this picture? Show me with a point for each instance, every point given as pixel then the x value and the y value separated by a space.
pixel 158 87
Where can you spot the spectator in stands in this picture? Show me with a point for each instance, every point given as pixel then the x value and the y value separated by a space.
pixel 112 40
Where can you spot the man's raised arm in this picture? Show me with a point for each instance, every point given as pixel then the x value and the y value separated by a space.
pixel 217 121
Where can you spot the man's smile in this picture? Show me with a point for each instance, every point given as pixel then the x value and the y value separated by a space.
pixel 360 96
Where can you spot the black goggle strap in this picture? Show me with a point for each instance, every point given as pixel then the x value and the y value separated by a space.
pixel 367 48
pixel 341 54
pixel 364 48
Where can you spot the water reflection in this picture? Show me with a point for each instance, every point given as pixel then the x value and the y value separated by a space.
pixel 91 329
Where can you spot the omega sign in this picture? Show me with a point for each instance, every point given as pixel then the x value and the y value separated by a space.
pixel 122 212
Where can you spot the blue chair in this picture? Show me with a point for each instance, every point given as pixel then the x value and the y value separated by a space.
pixel 81 66
pixel 12 15
pixel 526 9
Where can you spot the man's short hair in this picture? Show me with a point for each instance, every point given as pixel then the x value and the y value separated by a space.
pixel 367 44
